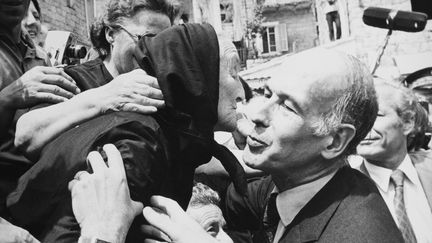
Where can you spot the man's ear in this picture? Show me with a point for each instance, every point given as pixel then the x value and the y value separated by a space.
pixel 338 141
pixel 109 35
pixel 408 125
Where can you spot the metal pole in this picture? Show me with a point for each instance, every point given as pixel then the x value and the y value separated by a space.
pixel 381 51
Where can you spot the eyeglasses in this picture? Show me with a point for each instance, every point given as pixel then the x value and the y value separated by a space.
pixel 134 36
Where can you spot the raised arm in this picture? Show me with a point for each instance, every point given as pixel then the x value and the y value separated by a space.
pixel 133 91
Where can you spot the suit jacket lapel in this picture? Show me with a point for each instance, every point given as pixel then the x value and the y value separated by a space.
pixel 423 165
pixel 311 221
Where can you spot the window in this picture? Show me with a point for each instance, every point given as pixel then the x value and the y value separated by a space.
pixel 269 40
pixel 272 39
pixel 275 38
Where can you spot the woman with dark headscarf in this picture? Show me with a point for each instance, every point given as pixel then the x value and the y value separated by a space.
pixel 160 151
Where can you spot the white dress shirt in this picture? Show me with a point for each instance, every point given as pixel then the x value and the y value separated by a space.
pixel 290 202
pixel 416 204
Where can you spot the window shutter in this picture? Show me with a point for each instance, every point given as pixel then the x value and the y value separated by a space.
pixel 283 37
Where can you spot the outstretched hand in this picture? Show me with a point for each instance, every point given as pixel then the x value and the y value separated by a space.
pixel 101 201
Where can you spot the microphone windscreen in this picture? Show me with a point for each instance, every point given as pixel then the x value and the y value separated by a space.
pixel 401 20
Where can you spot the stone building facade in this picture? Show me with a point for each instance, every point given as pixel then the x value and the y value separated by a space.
pixel 294 22
pixel 364 41
pixel 67 15
pixel 368 39
pixel 298 25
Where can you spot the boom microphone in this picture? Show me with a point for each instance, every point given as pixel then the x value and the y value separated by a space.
pixel 395 19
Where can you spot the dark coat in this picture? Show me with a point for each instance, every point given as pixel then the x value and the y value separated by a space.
pixel 348 208
pixel 160 151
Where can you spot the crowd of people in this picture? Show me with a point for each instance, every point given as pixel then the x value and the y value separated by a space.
pixel 122 148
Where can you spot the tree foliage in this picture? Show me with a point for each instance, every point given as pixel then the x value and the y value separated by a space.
pixel 255 26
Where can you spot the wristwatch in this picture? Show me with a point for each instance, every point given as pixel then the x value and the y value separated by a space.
pixel 86 239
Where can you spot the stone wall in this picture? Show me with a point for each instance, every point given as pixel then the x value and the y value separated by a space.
pixel 67 15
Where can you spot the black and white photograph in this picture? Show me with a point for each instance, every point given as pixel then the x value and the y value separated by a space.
pixel 215 121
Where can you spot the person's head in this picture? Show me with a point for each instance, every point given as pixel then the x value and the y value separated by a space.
pixel 230 88
pixel 312 116
pixel 117 31
pixel 386 143
pixel 204 208
pixel 32 21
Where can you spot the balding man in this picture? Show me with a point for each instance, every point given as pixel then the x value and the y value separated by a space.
pixel 312 116
pixel 404 180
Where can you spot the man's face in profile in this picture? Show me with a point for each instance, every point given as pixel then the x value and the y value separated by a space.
pixel 387 135
pixel 284 138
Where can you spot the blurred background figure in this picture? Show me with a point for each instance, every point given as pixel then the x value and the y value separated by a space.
pixel 403 179
pixel 331 10
pixel 32 21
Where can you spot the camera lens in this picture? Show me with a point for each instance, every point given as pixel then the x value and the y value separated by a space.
pixel 76 51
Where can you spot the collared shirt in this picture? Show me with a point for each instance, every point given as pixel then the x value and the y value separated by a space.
pixel 416 204
pixel 290 202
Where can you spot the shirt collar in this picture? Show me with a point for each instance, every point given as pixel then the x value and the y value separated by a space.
pixel 408 168
pixel 290 202
pixel 381 175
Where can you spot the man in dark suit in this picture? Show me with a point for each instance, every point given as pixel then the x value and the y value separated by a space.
pixel 311 118
pixel 385 153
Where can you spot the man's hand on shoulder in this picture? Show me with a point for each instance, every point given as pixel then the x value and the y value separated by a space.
pixel 101 201
pixel 39 85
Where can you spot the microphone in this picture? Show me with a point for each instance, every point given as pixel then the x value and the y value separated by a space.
pixel 395 19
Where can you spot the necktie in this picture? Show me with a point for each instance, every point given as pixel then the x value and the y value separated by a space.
pixel 271 218
pixel 397 178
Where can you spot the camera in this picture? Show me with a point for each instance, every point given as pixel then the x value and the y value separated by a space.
pixel 76 51
pixel 62 48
